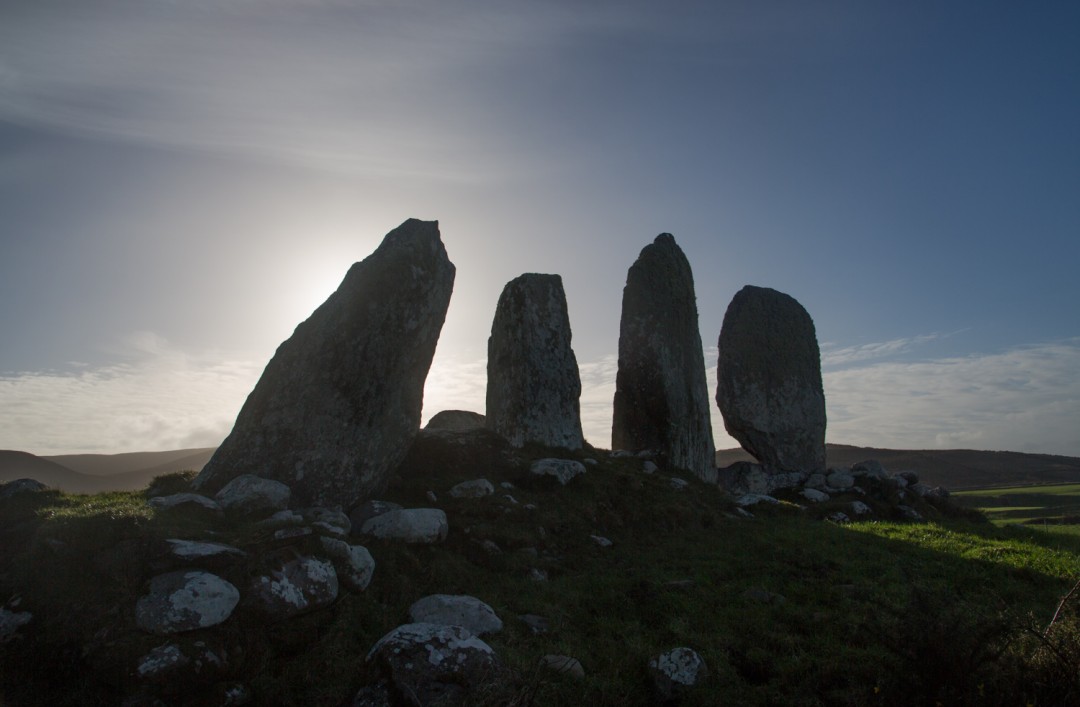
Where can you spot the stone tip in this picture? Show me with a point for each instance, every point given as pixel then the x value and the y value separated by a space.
pixel 664 239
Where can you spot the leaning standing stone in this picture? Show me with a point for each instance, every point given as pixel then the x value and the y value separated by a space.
pixel 769 380
pixel 661 397
pixel 533 386
pixel 339 404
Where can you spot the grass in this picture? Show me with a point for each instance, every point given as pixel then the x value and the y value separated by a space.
pixel 1053 504
pixel 784 608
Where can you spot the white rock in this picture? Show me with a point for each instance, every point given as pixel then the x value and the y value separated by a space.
pixel 676 671
pixel 411 525
pixel 185 601
pixel 562 469
pixel 354 564
pixel 477 488
pixel 456 610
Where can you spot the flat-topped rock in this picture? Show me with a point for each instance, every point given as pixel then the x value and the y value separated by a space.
pixel 456 610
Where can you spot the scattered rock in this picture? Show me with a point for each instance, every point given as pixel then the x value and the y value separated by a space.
pixel 752 499
pixel 600 540
pixel 353 563
pixel 860 509
pixel 191 551
pixel 456 610
pixel 536 624
pixel 533 386
pixel 477 488
pixel 769 380
pixel 676 672
pixel 561 469
pixel 184 501
pixel 368 510
pixel 294 585
pixel 377 695
pixel 871 469
pixel 649 467
pixel 339 404
pixel 564 665
pixel 839 479
pixel 814 495
pixel 431 664
pixel 411 525
pixel 252 495
pixel 661 396
pixel 185 601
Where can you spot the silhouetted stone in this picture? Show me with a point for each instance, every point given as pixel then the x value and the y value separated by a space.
pixel 339 404
pixel 661 397
pixel 769 380
pixel 533 385
pixel 455 421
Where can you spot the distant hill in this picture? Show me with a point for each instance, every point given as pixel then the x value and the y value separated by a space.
pixel 952 468
pixel 95 473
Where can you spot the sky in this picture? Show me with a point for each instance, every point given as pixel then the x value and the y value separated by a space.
pixel 182 183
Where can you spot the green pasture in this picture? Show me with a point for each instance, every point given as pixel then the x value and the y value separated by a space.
pixel 1056 507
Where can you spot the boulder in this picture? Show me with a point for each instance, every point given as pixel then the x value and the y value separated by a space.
pixel 21 486
pixel 327 521
pixel 661 396
pixel 455 421
pixel 676 672
pixel 250 494
pixel 456 610
pixel 533 386
pixel 292 585
pixel 477 488
pixel 411 525
pixel 339 404
pixel 192 551
pixel 185 601
pixel 840 479
pixel 814 495
pixel 769 386
pixel 562 470
pixel 353 563
pixel 431 664
pixel 368 510
pixel 871 469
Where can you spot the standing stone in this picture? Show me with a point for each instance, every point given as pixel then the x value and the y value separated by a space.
pixel 533 386
pixel 769 380
pixel 661 397
pixel 339 404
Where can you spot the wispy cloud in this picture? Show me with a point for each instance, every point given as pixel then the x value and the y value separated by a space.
pixel 840 356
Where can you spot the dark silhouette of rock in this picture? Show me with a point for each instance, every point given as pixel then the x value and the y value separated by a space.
pixel 455 421
pixel 339 404
pixel 533 387
pixel 661 397
pixel 769 380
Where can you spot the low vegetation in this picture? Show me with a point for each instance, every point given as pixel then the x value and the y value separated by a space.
pixel 784 607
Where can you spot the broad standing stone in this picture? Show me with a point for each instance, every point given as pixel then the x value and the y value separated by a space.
pixel 339 404
pixel 769 380
pixel 661 397
pixel 533 388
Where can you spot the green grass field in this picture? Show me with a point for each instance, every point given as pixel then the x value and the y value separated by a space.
pixel 1055 507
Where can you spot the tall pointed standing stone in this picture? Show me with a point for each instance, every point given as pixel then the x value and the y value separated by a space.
pixel 339 404
pixel 661 396
pixel 534 389
pixel 769 380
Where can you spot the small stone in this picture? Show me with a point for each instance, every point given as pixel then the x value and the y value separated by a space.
pixel 678 484
pixel 564 665
pixel 649 467
pixel 536 624
pixel 911 477
pixel 752 499
pixel 589 461
pixel 477 488
pixel 431 497
pixel 814 495
pixel 290 533
pixel 510 498
pixel 190 550
pixel 838 517
pixel 860 509
pixel 456 610
pixel 506 485
pixel 491 547
pixel 538 575
pixel 909 512
pixel 763 596
pixel 11 622
pixel 676 672
pixel 411 525
pixel 601 541
pixel 185 501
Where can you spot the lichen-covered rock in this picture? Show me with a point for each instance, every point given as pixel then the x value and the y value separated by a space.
pixel 368 510
pixel 769 386
pixel 327 521
pixel 661 396
pixel 185 601
pixel 354 564
pixel 185 501
pixel 534 388
pixel 250 494
pixel 293 585
pixel 410 525
pixel 675 672
pixel 192 551
pixel 339 404
pixel 456 610
pixel 563 470
pixel 431 664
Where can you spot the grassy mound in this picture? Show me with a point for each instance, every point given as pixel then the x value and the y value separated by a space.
pixel 785 608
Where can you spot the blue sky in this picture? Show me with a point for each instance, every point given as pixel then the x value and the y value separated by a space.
pixel 182 183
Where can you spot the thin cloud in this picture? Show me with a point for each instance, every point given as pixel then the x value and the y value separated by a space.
pixel 865 352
